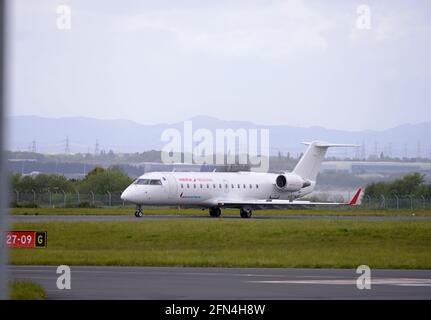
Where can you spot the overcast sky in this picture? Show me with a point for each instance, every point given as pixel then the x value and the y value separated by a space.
pixel 300 63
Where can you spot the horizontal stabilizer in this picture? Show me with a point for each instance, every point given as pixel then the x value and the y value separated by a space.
pixel 323 144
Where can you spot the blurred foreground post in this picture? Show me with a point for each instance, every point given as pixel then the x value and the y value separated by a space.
pixel 3 173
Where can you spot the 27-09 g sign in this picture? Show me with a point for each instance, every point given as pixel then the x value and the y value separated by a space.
pixel 26 239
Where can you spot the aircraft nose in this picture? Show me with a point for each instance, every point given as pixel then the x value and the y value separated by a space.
pixel 125 195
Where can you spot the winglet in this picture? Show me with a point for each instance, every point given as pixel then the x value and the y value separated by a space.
pixel 355 198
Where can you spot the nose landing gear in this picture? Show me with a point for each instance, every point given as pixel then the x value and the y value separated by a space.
pixel 138 212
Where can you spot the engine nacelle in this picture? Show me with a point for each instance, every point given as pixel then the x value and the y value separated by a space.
pixel 290 182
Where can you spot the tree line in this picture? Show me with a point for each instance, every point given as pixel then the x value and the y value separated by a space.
pixel 410 185
pixel 99 180
pixel 115 180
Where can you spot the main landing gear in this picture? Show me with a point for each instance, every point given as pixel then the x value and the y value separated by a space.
pixel 245 212
pixel 138 212
pixel 215 212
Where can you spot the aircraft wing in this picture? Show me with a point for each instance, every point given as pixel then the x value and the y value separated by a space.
pixel 276 203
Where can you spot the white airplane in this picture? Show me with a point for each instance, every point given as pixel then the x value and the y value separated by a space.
pixel 243 190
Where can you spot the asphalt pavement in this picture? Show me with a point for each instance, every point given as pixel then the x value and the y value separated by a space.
pixel 91 282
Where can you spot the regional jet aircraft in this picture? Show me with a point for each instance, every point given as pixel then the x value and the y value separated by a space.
pixel 242 190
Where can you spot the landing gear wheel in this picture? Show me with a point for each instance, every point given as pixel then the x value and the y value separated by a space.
pixel 245 213
pixel 215 212
pixel 138 212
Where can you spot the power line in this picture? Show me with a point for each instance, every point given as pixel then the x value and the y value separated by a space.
pixel 363 155
pixel 33 146
pixel 96 148
pixel 419 149
pixel 67 147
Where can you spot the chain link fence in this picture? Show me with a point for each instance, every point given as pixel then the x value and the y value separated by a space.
pixel 63 199
pixel 396 202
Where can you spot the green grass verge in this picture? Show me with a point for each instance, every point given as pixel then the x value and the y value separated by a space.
pixel 199 212
pixel 25 290
pixel 234 243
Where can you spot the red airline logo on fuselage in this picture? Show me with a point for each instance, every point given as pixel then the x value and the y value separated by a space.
pixel 194 179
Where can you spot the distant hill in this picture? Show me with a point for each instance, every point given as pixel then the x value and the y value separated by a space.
pixel 50 135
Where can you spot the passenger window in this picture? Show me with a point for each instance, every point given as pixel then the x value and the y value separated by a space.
pixel 226 186
pixel 214 186
pixel 182 186
pixel 201 186
pixel 239 186
pixel 245 187
pixel 188 186
pixel 251 187
pixel 257 186
pixel 233 186
pixel 219 186
pixel 208 186
pixel 194 185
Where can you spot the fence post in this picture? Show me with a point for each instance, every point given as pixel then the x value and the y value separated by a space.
pixel 34 196
pixel 423 202
pixel 17 196
pixel 369 202
pixel 79 201
pixel 92 196
pixel 398 201
pixel 411 202
pixel 64 198
pixel 110 197
pixel 50 197
pixel 383 201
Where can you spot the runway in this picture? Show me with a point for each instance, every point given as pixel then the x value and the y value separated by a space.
pixel 48 218
pixel 226 283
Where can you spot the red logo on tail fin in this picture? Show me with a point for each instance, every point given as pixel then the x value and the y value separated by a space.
pixel 355 197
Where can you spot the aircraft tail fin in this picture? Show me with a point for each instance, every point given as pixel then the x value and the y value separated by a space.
pixel 309 165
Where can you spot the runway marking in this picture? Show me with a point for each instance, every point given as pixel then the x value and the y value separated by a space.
pixel 146 273
pixel 117 270
pixel 384 281
pixel 413 282
pixel 167 273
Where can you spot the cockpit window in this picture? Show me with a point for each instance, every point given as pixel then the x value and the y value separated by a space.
pixel 149 182
pixel 155 182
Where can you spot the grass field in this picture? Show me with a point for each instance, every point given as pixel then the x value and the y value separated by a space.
pixel 233 243
pixel 25 290
pixel 199 212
